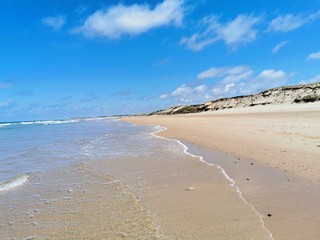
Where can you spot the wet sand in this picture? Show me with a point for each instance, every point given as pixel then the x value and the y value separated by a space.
pixel 76 203
pixel 187 198
pixel 273 155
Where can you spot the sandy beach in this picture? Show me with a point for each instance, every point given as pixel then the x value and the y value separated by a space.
pixel 285 137
pixel 271 152
pixel 250 173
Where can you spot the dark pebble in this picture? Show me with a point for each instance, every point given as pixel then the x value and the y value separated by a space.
pixel 269 215
pixel 248 179
pixel 251 163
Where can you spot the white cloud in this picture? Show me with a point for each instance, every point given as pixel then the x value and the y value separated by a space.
pixel 223 71
pixel 163 96
pixel 200 88
pixel 239 31
pixel 188 94
pixel 238 77
pixel 291 22
pixel 315 55
pixel 198 41
pixel 238 80
pixel 272 74
pixel 312 80
pixel 119 20
pixel 181 91
pixel 286 23
pixel 279 46
pixel 56 23
pixel 250 83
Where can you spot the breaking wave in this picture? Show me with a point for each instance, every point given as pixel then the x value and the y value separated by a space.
pixel 13 182
pixel 51 122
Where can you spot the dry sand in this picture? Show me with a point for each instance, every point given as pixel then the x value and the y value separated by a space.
pixel 286 137
pixel 275 160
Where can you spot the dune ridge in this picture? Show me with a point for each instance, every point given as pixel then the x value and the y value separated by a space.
pixel 296 94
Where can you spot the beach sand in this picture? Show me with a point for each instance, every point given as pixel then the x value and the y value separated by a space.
pixel 166 194
pixel 249 183
pixel 274 157
pixel 286 137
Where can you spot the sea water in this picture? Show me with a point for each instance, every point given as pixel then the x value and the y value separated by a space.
pixel 41 146
pixel 50 189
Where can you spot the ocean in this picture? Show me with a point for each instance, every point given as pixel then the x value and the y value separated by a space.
pixel 52 171
pixel 42 146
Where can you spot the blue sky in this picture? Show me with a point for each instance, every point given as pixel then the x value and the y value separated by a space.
pixel 61 59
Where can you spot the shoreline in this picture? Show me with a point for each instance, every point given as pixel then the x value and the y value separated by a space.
pixel 276 136
pixel 222 171
pixel 284 186
pixel 188 199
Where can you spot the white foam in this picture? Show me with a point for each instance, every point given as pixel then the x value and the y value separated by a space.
pixel 49 122
pixel 232 182
pixel 13 182
pixel 5 124
pixel 98 118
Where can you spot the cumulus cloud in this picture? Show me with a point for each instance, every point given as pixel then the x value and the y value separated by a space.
pixel 56 23
pixel 250 83
pixel 229 81
pixel 187 94
pixel 120 19
pixel 315 56
pixel 291 22
pixel 279 46
pixel 272 74
pixel 269 78
pixel 240 30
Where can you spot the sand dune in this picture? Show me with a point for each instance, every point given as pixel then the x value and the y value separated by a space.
pixel 283 95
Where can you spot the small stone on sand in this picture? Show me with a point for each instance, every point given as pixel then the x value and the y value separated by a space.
pixel 30 238
pixel 190 188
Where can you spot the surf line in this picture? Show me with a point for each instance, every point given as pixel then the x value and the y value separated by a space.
pixel 232 182
pixel 14 182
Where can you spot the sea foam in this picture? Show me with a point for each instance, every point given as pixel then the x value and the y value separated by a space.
pixel 5 124
pixel 13 182
pixel 49 122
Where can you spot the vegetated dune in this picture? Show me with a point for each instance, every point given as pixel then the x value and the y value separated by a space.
pixel 282 95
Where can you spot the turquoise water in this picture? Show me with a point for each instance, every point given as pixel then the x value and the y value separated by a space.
pixel 40 146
